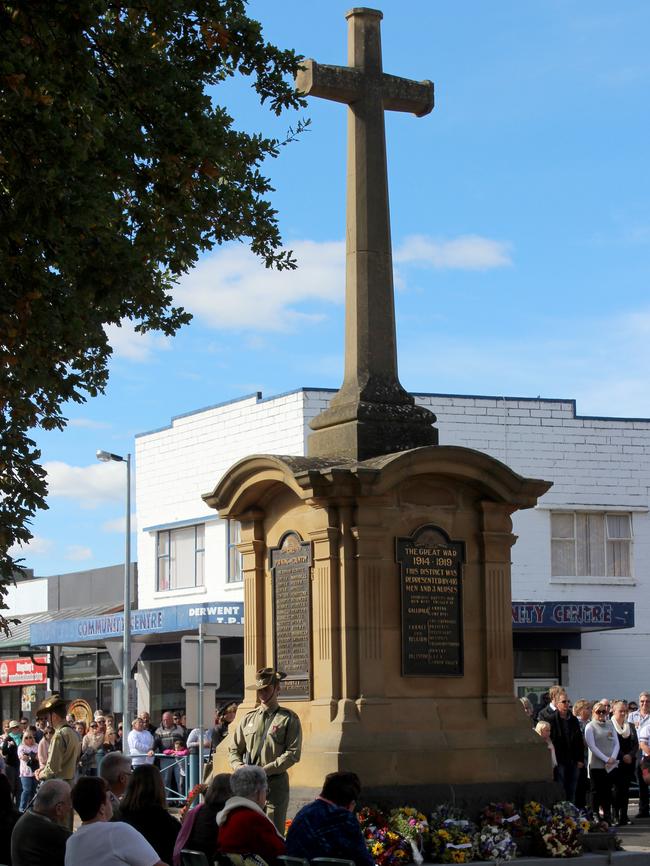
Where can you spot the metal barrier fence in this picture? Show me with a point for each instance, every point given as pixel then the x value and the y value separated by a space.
pixel 180 774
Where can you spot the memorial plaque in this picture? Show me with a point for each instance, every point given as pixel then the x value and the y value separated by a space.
pixel 290 565
pixel 432 603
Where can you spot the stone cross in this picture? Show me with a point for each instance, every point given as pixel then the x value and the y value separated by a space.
pixel 371 414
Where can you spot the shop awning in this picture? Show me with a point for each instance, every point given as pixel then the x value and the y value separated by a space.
pixel 20 634
pixel 159 621
pixel 571 616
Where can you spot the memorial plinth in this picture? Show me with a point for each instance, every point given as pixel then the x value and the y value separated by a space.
pixel 408 607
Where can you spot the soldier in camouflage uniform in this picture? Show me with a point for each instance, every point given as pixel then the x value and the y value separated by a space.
pixel 65 748
pixel 270 737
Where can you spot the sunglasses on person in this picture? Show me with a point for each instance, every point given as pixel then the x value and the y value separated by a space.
pixel 601 712
pixel 563 702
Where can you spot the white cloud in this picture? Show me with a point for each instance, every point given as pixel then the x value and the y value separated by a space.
pixel 89 485
pixel 88 424
pixel 118 524
pixel 37 546
pixel 231 288
pixel 78 553
pixel 132 345
pixel 467 252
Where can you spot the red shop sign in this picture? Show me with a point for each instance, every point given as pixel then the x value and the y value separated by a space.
pixel 23 671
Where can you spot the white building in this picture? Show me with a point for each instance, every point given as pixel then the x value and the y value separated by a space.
pixel 579 566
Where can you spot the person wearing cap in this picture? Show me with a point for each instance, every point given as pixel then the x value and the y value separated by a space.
pixel 270 737
pixel 11 740
pixel 65 748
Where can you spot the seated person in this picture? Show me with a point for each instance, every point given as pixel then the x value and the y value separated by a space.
pixel 40 836
pixel 100 841
pixel 328 827
pixel 115 770
pixel 143 806
pixel 244 828
pixel 199 827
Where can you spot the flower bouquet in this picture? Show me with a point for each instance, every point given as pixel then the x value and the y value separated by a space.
pixel 495 843
pixel 566 809
pixel 387 847
pixel 503 814
pixel 192 799
pixel 561 836
pixel 451 843
pixel 446 813
pixel 412 826
pixel 535 815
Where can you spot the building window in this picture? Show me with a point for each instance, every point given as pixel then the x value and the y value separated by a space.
pixel 181 554
pixel 233 565
pixel 591 544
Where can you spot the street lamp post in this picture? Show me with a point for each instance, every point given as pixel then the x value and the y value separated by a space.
pixel 106 457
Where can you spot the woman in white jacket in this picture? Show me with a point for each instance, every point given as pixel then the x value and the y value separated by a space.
pixel 603 745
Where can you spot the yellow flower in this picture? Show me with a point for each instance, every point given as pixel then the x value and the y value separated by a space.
pixel 377 848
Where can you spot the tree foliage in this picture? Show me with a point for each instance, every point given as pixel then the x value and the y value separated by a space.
pixel 117 168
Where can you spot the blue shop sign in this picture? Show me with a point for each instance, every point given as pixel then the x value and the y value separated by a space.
pixel 572 615
pixel 159 620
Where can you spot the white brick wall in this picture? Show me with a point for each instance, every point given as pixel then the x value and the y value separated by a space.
pixel 176 465
pixel 596 462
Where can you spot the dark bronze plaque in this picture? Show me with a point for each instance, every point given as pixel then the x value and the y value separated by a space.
pixel 432 603
pixel 290 565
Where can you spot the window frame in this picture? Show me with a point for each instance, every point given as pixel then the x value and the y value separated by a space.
pixel 608 540
pixel 198 556
pixel 233 538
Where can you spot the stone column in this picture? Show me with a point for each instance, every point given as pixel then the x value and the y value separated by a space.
pixel 253 549
pixel 497 539
pixel 325 619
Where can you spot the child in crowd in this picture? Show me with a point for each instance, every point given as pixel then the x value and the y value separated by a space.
pixel 544 730
pixel 180 750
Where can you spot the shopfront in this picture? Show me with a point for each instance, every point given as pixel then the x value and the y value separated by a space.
pixel 545 632
pixel 89 672
pixel 23 681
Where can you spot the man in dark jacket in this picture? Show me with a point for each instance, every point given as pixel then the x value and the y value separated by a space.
pixel 166 735
pixel 566 737
pixel 328 827
pixel 40 836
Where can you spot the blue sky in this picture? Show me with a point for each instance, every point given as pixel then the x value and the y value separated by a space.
pixel 521 236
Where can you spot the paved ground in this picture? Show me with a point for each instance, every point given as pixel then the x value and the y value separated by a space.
pixel 636 836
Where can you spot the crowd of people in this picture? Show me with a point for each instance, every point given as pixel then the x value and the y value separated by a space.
pixel 121 803
pixel 124 820
pixel 597 749
pixel 56 766
pixel 24 747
